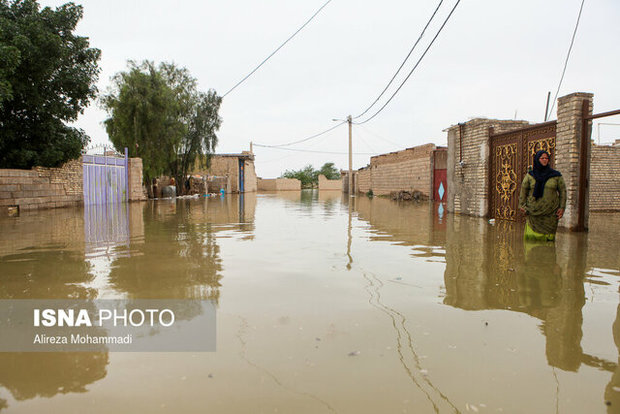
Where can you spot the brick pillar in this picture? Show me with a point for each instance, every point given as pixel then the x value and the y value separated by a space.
pixel 135 186
pixel 567 153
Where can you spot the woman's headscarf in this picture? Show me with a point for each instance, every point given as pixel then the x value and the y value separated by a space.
pixel 542 174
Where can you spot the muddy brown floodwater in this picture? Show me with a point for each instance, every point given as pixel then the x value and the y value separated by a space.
pixel 324 306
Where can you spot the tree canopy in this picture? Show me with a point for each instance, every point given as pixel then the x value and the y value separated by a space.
pixel 159 114
pixel 309 177
pixel 47 78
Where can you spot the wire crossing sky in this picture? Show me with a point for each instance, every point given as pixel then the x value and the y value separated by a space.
pixel 414 68
pixel 572 41
pixel 277 49
pixel 404 61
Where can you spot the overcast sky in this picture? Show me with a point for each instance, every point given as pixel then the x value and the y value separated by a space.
pixel 494 59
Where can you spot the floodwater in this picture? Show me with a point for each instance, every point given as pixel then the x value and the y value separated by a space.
pixel 324 306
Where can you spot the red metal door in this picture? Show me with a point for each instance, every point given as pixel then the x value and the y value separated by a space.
pixel 440 185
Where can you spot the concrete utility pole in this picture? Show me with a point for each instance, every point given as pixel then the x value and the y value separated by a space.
pixel 350 121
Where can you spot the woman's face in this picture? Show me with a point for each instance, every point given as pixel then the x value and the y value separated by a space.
pixel 544 160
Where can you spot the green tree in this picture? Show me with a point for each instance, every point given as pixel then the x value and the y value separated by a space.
pixel 159 114
pixel 329 171
pixel 47 78
pixel 307 175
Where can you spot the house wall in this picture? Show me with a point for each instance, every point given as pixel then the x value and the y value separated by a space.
pixel 605 178
pixel 325 184
pixel 228 166
pixel 364 183
pixel 406 170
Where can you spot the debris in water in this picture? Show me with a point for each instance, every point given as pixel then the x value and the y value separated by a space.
pixel 210 375
pixel 471 407
pixel 317 339
pixel 354 353
pixel 617 389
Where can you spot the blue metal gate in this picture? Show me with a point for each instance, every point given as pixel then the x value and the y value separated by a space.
pixel 105 179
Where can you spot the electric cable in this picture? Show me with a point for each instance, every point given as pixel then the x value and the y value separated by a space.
pixel 414 68
pixel 567 56
pixel 404 61
pixel 365 128
pixel 307 150
pixel 275 51
pixel 303 140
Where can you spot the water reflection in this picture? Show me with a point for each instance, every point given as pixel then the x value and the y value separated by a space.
pixel 404 223
pixel 142 250
pixel 47 261
pixel 490 267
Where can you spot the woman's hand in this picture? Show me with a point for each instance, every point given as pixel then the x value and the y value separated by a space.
pixel 559 213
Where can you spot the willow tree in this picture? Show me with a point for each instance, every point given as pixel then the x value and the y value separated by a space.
pixel 159 114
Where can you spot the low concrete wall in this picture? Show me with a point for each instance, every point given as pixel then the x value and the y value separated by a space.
pixel 604 178
pixel 42 187
pixel 325 184
pixel 279 184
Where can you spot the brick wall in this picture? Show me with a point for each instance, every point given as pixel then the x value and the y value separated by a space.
pixel 42 187
pixel 279 184
pixel 605 178
pixel 325 184
pixel 408 170
pixel 363 180
pixel 468 173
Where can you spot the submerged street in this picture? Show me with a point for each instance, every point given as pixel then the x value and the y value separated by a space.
pixel 324 305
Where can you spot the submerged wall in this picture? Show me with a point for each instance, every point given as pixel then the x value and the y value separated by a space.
pixel 605 178
pixel 325 184
pixel 42 187
pixel 279 184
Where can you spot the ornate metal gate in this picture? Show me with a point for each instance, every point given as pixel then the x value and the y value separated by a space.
pixel 510 157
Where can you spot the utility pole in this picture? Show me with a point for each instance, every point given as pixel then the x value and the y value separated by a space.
pixel 350 121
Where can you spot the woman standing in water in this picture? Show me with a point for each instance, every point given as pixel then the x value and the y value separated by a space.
pixel 542 198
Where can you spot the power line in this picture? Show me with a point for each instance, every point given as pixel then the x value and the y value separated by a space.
pixel 306 150
pixel 275 51
pixel 302 140
pixel 365 128
pixel 567 56
pixel 404 61
pixel 414 68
